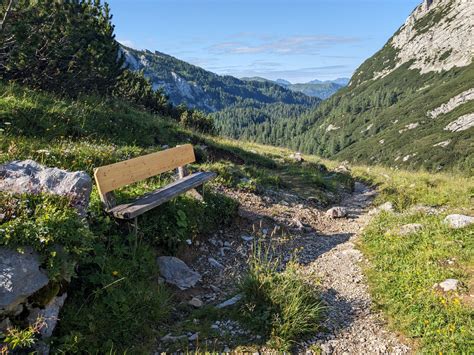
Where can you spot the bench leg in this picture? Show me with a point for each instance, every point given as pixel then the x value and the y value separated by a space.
pixel 198 195
pixel 135 226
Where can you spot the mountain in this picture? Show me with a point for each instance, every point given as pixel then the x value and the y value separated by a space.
pixel 323 90
pixel 410 105
pixel 195 87
pixel 314 88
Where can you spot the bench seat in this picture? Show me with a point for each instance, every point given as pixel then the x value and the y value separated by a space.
pixel 160 196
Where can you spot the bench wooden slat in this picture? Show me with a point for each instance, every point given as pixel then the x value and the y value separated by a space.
pixel 160 196
pixel 113 176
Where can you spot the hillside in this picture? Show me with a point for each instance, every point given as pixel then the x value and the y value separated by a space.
pixel 409 105
pixel 313 88
pixel 195 87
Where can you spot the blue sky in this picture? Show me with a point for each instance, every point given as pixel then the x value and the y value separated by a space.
pixel 297 40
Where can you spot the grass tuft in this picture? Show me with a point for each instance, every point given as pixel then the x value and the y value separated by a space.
pixel 281 305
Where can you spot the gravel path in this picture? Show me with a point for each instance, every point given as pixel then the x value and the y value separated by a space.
pixel 353 326
pixel 328 255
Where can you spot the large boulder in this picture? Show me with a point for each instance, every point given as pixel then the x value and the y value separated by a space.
pixel 177 273
pixel 28 176
pixel 20 277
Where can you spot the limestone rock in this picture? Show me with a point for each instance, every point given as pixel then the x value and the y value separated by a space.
pixel 20 277
pixel 454 102
pixel 215 263
pixel 439 46
pixel 461 124
pixel 448 285
pixel 387 207
pixel 49 315
pixel 177 273
pixel 195 302
pixel 337 212
pixel 230 301
pixel 28 176
pixel 458 220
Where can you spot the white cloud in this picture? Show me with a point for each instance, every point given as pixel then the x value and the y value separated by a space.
pixel 300 44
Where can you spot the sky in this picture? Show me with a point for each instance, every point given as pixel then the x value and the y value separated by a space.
pixel 296 40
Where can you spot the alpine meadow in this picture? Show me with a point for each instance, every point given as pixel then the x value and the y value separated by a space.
pixel 234 177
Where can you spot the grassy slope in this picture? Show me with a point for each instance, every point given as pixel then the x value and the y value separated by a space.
pixel 99 314
pixel 81 135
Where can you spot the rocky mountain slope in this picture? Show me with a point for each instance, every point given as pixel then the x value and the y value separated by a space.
pixel 313 88
pixel 409 105
pixel 195 87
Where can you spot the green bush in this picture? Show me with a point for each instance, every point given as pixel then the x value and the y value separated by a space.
pixel 48 225
pixel 281 304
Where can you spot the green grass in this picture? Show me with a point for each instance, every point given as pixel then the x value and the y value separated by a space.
pixel 279 305
pixel 403 269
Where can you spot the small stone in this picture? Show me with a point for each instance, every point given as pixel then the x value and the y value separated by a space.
pixel 337 212
pixel 449 285
pixel 226 349
pixel 176 272
pixel 230 301
pixel 195 302
pixel 457 221
pixel 189 241
pixel 215 263
pixel 227 244
pixel 215 326
pixel 246 238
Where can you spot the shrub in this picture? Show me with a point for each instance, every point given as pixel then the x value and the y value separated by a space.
pixel 281 304
pixel 48 225
pixel 198 121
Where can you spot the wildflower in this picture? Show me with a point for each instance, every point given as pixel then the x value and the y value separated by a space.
pixel 115 273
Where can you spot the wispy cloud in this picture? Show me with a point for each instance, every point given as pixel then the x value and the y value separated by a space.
pixel 298 44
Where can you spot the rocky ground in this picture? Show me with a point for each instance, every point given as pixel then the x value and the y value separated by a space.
pixel 326 248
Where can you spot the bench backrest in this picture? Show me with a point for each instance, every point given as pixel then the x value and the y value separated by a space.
pixel 114 176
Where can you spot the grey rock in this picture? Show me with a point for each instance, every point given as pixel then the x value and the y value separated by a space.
pixel 215 263
pixel 410 228
pixel 28 176
pixel 20 277
pixel 195 302
pixel 337 212
pixel 230 301
pixel 49 315
pixel 246 238
pixel 387 207
pixel 458 220
pixel 449 285
pixel 177 273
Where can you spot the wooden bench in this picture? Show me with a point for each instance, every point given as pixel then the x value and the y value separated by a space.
pixel 115 176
